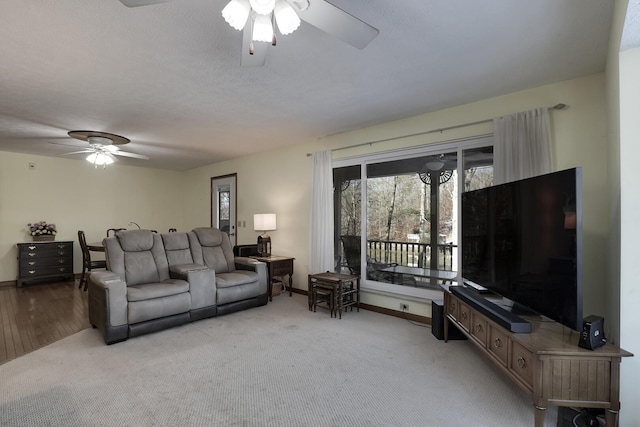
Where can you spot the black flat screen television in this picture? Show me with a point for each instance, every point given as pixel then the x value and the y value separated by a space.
pixel 523 240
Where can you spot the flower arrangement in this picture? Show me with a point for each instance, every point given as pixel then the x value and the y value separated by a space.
pixel 42 229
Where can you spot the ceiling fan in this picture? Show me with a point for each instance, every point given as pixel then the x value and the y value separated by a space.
pixel 103 147
pixel 258 18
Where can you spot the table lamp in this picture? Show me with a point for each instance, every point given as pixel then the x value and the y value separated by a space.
pixel 264 223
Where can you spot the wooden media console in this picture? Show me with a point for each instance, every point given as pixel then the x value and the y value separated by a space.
pixel 546 362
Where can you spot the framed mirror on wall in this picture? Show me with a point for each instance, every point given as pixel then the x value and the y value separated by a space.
pixel 223 205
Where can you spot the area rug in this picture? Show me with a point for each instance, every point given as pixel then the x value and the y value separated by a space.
pixel 277 365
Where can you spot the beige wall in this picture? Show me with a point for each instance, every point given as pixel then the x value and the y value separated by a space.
pixel 280 180
pixel 76 196
pixel 630 235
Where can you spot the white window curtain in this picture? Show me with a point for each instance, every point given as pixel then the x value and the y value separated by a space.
pixel 522 146
pixel 321 257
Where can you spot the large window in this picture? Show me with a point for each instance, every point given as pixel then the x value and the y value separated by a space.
pixel 397 216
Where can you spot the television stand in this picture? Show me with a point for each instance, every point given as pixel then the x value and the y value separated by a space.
pixel 546 363
pixel 503 317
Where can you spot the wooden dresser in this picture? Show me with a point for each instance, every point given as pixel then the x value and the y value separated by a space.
pixel 44 261
pixel 546 363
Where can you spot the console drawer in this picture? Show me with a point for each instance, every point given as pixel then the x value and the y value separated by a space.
pixel 479 328
pixel 497 342
pixel 521 364
pixel 453 306
pixel 464 313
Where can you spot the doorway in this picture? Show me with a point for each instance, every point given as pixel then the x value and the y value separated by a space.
pixel 223 205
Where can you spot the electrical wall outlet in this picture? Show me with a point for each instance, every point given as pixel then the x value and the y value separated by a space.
pixel 404 307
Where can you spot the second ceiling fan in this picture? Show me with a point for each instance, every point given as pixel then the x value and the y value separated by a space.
pixel 258 19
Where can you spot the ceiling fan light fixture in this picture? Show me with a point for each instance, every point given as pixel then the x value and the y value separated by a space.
pixel 263 7
pixel 286 17
pixel 236 13
pixel 100 159
pixel 262 29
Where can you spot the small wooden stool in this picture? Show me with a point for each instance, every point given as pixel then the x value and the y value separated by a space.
pixel 324 295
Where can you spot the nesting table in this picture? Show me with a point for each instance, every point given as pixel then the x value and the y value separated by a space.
pixel 343 291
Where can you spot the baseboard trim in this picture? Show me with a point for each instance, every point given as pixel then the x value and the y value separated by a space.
pixel 8 284
pixel 382 310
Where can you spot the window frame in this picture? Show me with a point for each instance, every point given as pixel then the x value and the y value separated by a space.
pixel 459 146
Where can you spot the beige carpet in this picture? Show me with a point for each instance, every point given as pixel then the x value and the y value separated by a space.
pixel 278 365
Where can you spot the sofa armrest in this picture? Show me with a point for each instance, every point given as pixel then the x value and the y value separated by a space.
pixel 202 283
pixel 113 292
pixel 245 263
pixel 180 271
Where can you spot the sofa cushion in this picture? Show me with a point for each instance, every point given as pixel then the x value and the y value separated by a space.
pixel 177 248
pixel 140 267
pixel 214 248
pixel 157 290
pixel 135 240
pixel 175 241
pixel 208 236
pixel 235 278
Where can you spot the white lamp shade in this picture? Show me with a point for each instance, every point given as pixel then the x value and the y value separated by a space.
pixel 100 159
pixel 264 222
pixel 263 7
pixel 286 18
pixel 236 13
pixel 262 29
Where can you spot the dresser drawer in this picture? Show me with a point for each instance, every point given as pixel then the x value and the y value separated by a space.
pixel 521 364
pixel 497 342
pixel 46 262
pixel 27 273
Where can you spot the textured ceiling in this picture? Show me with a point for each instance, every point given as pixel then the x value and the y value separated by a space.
pixel 168 76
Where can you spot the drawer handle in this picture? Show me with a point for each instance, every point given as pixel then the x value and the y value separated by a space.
pixel 464 315
pixel 521 362
pixel 61 269
pixel 452 306
pixel 32 254
pixel 32 271
pixel 478 327
pixel 497 343
pixel 61 261
pixel 61 246
pixel 32 263
pixel 60 252
pixel 32 247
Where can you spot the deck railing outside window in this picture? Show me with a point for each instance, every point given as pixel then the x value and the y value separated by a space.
pixel 410 254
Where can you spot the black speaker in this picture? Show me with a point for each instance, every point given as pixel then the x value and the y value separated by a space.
pixel 437 322
pixel 592 335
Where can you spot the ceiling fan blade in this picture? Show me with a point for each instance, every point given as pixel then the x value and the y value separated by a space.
pixel 338 23
pixel 76 152
pixel 136 3
pixel 68 144
pixel 127 154
pixel 259 51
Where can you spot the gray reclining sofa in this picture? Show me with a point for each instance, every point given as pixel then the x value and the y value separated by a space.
pixel 156 281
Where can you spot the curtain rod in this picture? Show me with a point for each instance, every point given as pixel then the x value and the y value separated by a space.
pixel 555 107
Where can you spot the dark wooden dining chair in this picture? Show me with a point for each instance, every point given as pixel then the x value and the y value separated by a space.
pixel 87 264
pixel 113 231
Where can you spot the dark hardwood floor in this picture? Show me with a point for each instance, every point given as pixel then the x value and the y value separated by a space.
pixel 34 316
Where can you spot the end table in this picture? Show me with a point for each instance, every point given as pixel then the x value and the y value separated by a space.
pixel 278 266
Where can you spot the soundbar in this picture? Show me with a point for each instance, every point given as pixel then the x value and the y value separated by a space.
pixel 502 317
